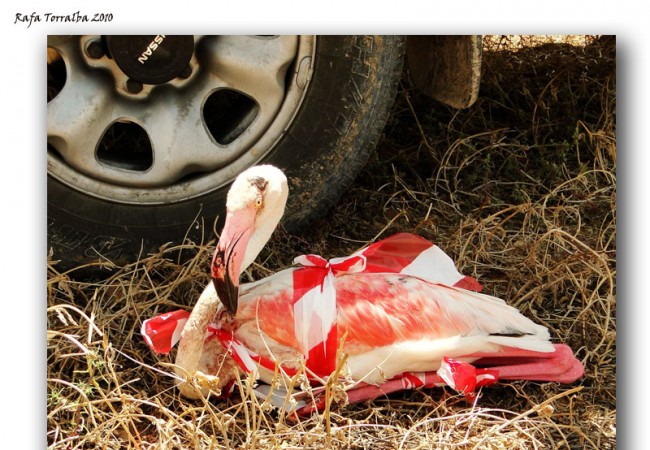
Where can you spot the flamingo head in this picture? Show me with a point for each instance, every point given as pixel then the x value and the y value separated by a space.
pixel 254 207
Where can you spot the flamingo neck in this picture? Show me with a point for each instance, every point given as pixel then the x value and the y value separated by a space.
pixel 190 347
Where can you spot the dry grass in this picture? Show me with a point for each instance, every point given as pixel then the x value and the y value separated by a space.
pixel 520 189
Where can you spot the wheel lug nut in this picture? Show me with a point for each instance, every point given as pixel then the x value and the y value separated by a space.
pixel 95 49
pixel 133 86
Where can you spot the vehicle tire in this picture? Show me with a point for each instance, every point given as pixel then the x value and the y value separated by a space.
pixel 334 126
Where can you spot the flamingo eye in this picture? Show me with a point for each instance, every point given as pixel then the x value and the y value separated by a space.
pixel 258 202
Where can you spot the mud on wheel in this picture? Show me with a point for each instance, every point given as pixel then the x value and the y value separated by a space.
pixel 146 133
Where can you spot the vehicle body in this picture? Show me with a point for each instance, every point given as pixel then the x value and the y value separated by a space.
pixel 146 133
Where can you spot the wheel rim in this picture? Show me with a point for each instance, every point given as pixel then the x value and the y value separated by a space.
pixel 114 137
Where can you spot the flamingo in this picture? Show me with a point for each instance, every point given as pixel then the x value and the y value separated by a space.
pixel 395 315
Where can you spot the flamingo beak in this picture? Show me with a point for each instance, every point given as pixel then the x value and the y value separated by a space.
pixel 228 257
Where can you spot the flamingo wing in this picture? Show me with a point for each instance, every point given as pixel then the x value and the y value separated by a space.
pixel 389 323
pixel 381 309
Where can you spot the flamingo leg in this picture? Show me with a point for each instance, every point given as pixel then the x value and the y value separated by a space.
pixel 511 364
pixel 561 365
